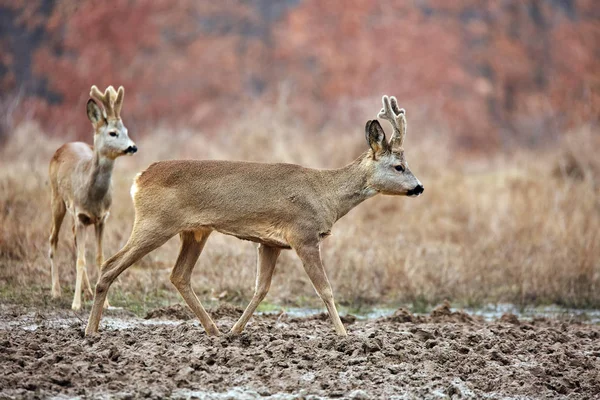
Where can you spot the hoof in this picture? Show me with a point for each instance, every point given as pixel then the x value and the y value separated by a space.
pixel 90 333
pixel 213 332
pixel 236 331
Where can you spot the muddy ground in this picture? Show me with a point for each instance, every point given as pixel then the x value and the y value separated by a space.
pixel 446 354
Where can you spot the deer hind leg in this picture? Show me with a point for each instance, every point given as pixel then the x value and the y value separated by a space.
pixel 192 244
pixel 58 214
pixel 87 287
pixel 144 238
pixel 99 229
pixel 81 267
pixel 311 259
pixel 265 265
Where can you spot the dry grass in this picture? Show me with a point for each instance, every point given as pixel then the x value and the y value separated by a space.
pixel 520 228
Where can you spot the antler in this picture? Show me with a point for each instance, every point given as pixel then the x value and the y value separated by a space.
pixel 397 118
pixel 111 100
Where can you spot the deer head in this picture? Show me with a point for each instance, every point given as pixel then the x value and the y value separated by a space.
pixel 389 170
pixel 111 137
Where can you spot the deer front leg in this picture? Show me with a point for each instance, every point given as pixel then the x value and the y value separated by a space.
pixel 310 254
pixel 99 228
pixel 266 260
pixel 81 267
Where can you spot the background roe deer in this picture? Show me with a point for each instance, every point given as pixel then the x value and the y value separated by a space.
pixel 80 179
pixel 279 206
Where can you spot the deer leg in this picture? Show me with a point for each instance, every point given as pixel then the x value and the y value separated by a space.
pixel 87 287
pixel 266 260
pixel 58 214
pixel 311 259
pixel 144 238
pixel 81 267
pixel 192 244
pixel 99 228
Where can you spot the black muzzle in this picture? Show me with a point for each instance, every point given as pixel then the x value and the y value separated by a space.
pixel 131 149
pixel 417 190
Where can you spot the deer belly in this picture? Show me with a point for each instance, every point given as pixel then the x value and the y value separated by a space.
pixel 268 237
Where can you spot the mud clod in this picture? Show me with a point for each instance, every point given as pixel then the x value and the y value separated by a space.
pixel 510 318
pixel 173 312
pixel 403 315
pixel 443 313
pixel 225 310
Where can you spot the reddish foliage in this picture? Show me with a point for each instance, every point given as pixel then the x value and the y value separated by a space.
pixel 487 72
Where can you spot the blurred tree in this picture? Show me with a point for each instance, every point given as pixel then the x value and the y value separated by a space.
pixel 490 72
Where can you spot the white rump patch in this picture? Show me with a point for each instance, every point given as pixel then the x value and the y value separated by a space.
pixel 134 187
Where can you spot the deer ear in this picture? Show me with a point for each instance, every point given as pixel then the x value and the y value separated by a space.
pixel 94 112
pixel 376 137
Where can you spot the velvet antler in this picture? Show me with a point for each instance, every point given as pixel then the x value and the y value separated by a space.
pixel 397 118
pixel 112 100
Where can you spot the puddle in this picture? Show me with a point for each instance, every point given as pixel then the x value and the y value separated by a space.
pixel 493 312
pixel 33 320
pixel 241 394
pixel 490 312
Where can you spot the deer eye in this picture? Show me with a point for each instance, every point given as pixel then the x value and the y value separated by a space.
pixel 399 168
pixel 113 134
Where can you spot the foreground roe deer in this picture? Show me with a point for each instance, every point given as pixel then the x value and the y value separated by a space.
pixel 279 206
pixel 80 180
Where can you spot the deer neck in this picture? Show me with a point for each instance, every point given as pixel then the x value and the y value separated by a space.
pixel 100 176
pixel 348 187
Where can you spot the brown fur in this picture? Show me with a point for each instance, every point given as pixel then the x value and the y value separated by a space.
pixel 278 206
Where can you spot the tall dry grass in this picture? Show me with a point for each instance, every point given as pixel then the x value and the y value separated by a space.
pixel 519 227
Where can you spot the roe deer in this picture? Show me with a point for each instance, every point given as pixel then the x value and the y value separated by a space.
pixel 279 206
pixel 80 179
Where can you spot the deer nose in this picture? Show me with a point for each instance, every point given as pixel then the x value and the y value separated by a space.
pixel 131 149
pixel 417 190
